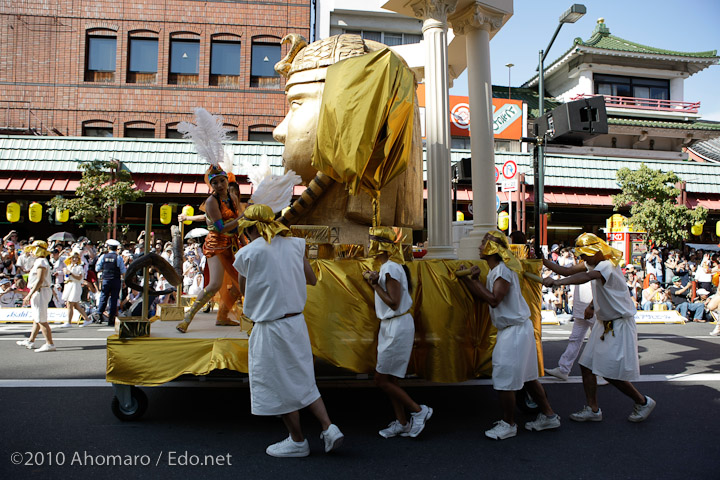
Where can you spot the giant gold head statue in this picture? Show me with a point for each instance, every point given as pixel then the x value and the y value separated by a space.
pixel 306 69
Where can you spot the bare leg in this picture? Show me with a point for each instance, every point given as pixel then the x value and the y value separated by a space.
pixel 318 409
pixel 507 401
pixel 80 310
pixel 292 422
pixel 69 312
pixel 628 389
pixel 34 332
pixel 47 333
pixel 590 386
pixel 538 393
pixel 399 397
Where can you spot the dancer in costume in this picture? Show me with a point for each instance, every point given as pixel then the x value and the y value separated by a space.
pixel 273 274
pixel 223 210
pixel 611 351
pixel 514 357
pixel 39 297
pixel 397 331
pixel 73 287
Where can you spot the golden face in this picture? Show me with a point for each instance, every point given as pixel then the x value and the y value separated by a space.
pixel 298 131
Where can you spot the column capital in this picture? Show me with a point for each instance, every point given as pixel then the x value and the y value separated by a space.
pixel 433 9
pixel 476 17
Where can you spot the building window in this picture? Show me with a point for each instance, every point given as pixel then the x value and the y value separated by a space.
pixel 143 62
pixel 97 128
pixel 100 59
pixel 261 133
pixel 171 131
pixel 462 143
pixel 637 87
pixel 390 39
pixel 184 62
pixel 231 132
pixel 262 72
pixel 141 130
pixel 225 63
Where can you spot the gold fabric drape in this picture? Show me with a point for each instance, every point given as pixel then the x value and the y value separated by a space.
pixel 454 336
pixel 365 127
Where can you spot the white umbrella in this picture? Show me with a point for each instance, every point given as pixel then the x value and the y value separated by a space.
pixel 197 232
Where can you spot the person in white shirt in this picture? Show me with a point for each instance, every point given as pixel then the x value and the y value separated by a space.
pixel 39 297
pixel 514 358
pixel 397 332
pixel 72 292
pixel 9 296
pixel 611 351
pixel 272 273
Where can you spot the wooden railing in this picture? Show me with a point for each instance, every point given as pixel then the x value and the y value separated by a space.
pixel 646 103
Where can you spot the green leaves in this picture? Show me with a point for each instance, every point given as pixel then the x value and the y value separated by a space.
pixel 103 186
pixel 652 198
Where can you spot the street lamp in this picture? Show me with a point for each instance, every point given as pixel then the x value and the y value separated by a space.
pixel 509 65
pixel 571 15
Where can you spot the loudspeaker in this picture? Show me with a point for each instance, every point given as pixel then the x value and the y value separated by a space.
pixel 573 122
pixel 462 171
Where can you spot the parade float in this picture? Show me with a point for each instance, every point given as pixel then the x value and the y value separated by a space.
pixel 352 134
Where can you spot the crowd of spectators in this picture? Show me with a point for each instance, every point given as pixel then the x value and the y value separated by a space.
pixel 16 265
pixel 666 279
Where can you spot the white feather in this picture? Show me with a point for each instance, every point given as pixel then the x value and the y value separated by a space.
pixel 227 162
pixel 256 173
pixel 208 135
pixel 276 191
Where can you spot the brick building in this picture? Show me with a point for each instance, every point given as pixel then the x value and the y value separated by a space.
pixel 134 68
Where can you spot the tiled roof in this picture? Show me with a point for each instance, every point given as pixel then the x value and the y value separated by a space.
pixel 147 157
pixel 709 149
pixel 601 38
pixel 696 125
pixel 137 155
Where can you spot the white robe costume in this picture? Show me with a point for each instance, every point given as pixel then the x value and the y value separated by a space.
pixel 397 327
pixel 280 361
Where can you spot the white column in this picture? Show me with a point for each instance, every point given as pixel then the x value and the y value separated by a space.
pixel 437 125
pixel 476 23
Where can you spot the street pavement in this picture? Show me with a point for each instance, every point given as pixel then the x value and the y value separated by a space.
pixel 56 419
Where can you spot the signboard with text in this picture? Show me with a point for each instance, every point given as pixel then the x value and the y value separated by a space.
pixel 508 118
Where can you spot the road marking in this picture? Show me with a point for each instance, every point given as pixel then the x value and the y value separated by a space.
pixel 97 382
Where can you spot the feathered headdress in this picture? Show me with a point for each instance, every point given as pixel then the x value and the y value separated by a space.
pixel 274 191
pixel 208 135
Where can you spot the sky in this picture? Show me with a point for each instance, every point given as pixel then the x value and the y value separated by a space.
pixel 686 26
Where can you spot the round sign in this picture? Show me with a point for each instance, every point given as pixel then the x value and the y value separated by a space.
pixel 497 202
pixel 497 174
pixel 460 116
pixel 509 169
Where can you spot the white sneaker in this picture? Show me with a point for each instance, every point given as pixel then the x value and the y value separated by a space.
pixel 600 380
pixel 587 415
pixel 418 421
pixel 46 348
pixel 501 430
pixel 87 322
pixel 332 438
pixel 641 412
pixel 26 343
pixel 716 330
pixel 395 429
pixel 289 448
pixel 64 325
pixel 543 423
pixel 555 372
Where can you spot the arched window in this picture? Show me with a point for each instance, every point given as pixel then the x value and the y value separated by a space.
pixel 100 54
pixel 184 58
pixel 265 54
pixel 225 60
pixel 139 129
pixel 142 65
pixel 261 133
pixel 97 128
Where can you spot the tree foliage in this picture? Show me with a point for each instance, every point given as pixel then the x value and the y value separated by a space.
pixel 652 197
pixel 103 186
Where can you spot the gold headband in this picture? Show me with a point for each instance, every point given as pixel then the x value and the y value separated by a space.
pixel 496 243
pixel 386 240
pixel 263 218
pixel 589 244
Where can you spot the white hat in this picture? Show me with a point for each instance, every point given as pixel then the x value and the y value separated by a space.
pixel 555 247
pixel 114 242
pixel 702 291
